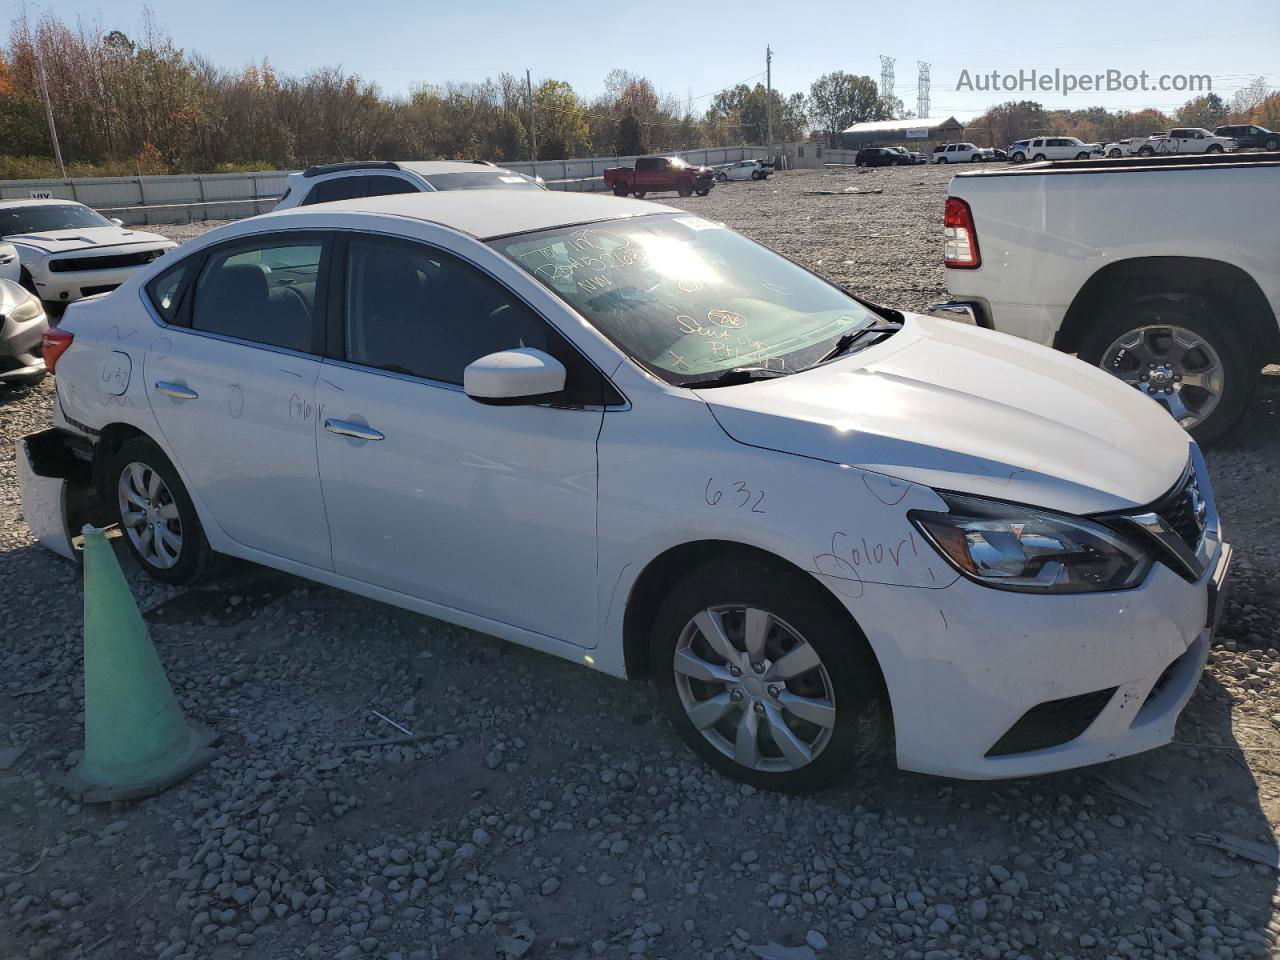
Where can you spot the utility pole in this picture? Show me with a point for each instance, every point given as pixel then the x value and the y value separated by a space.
pixel 768 91
pixel 533 117
pixel 48 113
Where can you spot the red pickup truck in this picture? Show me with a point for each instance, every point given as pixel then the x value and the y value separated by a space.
pixel 659 173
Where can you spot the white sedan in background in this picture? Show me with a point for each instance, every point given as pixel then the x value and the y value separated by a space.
pixel 744 170
pixel 632 438
pixel 66 251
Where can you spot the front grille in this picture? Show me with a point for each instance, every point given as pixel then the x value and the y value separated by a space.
pixel 1052 723
pixel 1178 508
pixel 110 261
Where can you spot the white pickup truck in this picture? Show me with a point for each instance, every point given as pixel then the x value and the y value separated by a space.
pixel 1163 271
pixel 1178 140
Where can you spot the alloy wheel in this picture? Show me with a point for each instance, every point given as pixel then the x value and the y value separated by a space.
pixel 1172 365
pixel 754 688
pixel 149 515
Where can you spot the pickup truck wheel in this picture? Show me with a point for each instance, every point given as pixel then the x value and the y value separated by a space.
pixel 620 189
pixel 1272 144
pixel 702 191
pixel 157 518
pixel 1146 152
pixel 1038 157
pixel 1113 154
pixel 684 188
pixel 639 194
pixel 765 677
pixel 1181 351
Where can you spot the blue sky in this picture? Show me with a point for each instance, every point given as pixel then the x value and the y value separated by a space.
pixel 400 43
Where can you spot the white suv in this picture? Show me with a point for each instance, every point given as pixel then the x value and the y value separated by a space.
pixel 957 153
pixel 328 182
pixel 1054 148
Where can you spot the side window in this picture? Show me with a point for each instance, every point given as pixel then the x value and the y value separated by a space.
pixel 384 186
pixel 419 311
pixel 339 188
pixel 266 294
pixel 166 289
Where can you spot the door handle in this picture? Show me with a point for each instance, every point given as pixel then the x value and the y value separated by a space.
pixel 358 431
pixel 176 390
pixel 7 258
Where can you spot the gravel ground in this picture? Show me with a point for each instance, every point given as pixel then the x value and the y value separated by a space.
pixel 544 811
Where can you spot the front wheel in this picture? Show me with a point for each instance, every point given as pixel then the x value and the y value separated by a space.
pixel 722 177
pixel 1214 148
pixel 942 159
pixel 639 194
pixel 702 191
pixel 1082 156
pixel 1180 350
pixel 684 188
pixel 1019 158
pixel 157 516
pixel 1113 154
pixel 765 677
pixel 1272 144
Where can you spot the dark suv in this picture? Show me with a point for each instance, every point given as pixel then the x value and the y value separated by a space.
pixel 880 157
pixel 1250 135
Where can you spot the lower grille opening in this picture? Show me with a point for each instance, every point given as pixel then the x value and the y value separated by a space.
pixel 1052 723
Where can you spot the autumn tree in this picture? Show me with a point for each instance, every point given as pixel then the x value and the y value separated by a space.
pixel 839 100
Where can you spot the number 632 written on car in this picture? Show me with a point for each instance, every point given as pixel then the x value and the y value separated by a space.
pixel 736 493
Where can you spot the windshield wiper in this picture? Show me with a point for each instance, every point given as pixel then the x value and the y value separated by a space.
pixel 847 340
pixel 736 375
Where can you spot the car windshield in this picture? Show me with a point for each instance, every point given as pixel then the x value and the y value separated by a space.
pixel 52 216
pixel 482 180
pixel 689 299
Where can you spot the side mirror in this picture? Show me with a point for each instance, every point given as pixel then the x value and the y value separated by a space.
pixel 516 376
pixel 117 221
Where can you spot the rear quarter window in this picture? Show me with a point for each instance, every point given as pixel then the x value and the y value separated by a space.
pixel 165 291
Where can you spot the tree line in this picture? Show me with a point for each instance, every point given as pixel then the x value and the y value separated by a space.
pixel 140 104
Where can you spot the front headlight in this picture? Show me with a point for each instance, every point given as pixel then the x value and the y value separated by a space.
pixel 1013 547
pixel 28 309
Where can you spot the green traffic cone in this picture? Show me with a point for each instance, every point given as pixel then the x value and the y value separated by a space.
pixel 136 740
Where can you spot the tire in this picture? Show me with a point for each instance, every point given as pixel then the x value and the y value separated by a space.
pixel 976 158
pixel 1082 156
pixel 195 560
pixel 755 175
pixel 942 159
pixel 1214 148
pixel 1113 154
pixel 1272 144
pixel 722 177
pixel 27 284
pixel 801 612
pixel 703 192
pixel 1038 157
pixel 1201 317
pixel 860 163
pixel 639 194
pixel 620 189
pixel 1146 152
pixel 1019 158
pixel 684 188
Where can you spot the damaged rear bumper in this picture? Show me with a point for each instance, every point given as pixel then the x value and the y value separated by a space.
pixel 55 477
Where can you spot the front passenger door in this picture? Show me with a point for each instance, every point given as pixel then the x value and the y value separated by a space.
pixel 488 510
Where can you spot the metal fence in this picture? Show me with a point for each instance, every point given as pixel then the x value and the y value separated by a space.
pixel 231 196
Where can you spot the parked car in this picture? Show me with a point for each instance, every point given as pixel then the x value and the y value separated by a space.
pixel 328 182
pixel 652 174
pixel 1053 148
pixel 916 156
pixel 632 438
pixel 1250 135
pixel 66 251
pixel 880 157
pixel 995 153
pixel 1186 316
pixel 744 170
pixel 22 327
pixel 1180 140
pixel 957 153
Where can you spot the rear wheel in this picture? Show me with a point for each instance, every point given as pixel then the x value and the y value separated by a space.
pixel 765 677
pixel 1180 350
pixel 1038 157
pixel 1146 152
pixel 157 517
pixel 620 189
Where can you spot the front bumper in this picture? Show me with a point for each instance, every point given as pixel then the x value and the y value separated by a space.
pixel 21 355
pixel 55 286
pixel 988 684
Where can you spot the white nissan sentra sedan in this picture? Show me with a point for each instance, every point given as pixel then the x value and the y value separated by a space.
pixel 625 435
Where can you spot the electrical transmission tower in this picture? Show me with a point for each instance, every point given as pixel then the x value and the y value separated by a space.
pixel 922 90
pixel 886 76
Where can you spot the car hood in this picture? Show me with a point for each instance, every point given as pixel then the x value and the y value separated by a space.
pixel 85 238
pixel 956 407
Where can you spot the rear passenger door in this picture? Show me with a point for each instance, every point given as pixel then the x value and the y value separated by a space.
pixel 232 384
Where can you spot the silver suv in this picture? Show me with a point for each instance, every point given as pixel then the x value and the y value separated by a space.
pixel 375 178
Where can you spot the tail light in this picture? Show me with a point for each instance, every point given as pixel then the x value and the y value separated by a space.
pixel 54 344
pixel 961 249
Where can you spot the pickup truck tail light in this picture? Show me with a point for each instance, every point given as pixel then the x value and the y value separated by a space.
pixel 54 344
pixel 961 249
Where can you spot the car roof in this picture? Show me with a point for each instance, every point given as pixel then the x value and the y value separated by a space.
pixel 43 202
pixel 486 214
pixel 423 168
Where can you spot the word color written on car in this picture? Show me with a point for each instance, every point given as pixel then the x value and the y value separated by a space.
pixel 636 439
